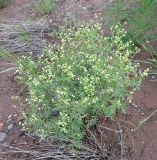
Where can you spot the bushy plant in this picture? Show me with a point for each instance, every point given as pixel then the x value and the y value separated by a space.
pixel 71 84
pixel 45 6
pixel 139 16
pixel 4 3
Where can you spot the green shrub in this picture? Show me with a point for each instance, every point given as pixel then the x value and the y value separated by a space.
pixel 73 83
pixel 45 6
pixel 4 3
pixel 139 16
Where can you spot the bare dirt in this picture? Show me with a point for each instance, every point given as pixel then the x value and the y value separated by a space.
pixel 8 88
pixel 18 10
pixel 142 141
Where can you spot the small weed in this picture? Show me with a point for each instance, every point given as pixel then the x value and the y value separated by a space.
pixel 51 34
pixel 4 3
pixel 139 18
pixel 45 6
pixel 4 54
pixel 24 36
pixel 152 60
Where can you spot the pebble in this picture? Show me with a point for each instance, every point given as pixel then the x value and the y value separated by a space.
pixel 20 133
pixel 10 126
pixel 142 113
pixel 135 106
pixel 50 20
pixel 84 8
pixel 153 77
pixel 2 136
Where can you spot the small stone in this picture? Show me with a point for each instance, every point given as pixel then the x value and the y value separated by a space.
pixel 153 77
pixel 2 136
pixel 84 8
pixel 148 41
pixel 20 133
pixel 135 106
pixel 10 126
pixel 50 20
